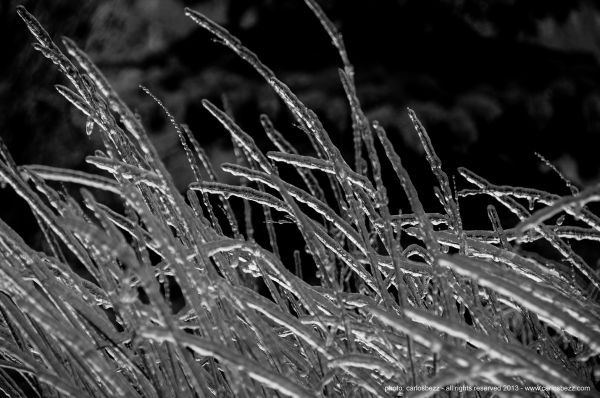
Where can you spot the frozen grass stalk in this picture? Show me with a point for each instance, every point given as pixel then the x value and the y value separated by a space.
pixel 403 299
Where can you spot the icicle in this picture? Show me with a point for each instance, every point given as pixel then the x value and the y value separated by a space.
pixel 575 203
pixel 565 204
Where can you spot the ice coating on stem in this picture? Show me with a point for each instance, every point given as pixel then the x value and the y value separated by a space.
pixel 377 313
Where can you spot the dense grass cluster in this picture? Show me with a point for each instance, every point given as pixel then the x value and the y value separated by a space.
pixel 94 315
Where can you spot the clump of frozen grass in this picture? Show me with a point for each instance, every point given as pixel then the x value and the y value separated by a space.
pixel 456 307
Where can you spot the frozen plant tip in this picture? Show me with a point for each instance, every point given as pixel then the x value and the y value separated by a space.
pixel 410 299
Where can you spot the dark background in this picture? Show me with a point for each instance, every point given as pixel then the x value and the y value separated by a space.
pixel 493 81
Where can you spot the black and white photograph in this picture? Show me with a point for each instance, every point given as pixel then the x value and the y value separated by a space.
pixel 299 198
